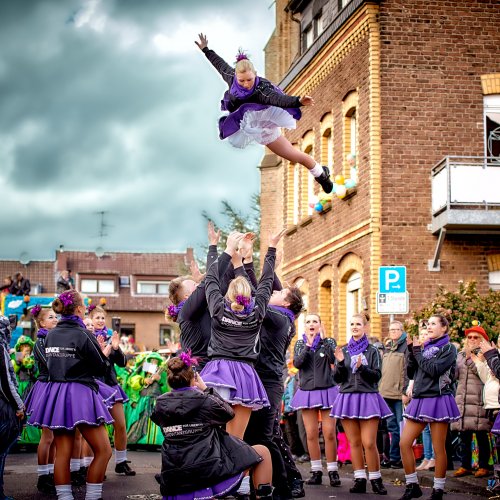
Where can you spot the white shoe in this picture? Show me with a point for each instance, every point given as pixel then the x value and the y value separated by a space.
pixel 423 465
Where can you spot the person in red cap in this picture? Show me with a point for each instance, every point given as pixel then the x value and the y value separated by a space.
pixel 469 399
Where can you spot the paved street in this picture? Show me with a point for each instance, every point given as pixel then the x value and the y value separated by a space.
pixel 20 481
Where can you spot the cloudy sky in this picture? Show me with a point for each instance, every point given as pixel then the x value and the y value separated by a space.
pixel 108 105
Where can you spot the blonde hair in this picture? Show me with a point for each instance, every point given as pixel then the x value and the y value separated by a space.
pixel 238 286
pixel 244 65
pixel 95 310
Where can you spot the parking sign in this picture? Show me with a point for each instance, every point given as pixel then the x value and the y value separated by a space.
pixel 392 279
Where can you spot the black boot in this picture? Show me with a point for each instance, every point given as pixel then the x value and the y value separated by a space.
pixel 412 491
pixel 124 468
pixel 378 486
pixel 264 491
pixel 436 494
pixel 316 477
pixel 324 180
pixel 45 485
pixel 77 479
pixel 359 486
pixel 334 478
pixel 297 488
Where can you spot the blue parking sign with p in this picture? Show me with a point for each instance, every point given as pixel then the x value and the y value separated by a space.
pixel 392 279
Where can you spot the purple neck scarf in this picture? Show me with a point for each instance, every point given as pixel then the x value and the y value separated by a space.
pixel 42 333
pixel 432 346
pixel 240 92
pixel 315 343
pixel 246 310
pixel 355 347
pixel 285 311
pixel 103 332
pixel 174 310
pixel 74 317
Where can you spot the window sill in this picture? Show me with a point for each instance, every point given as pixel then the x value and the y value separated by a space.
pixel 291 230
pixel 306 220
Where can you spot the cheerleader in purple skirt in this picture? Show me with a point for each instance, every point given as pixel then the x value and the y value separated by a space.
pixel 359 405
pixel 45 320
pixel 313 356
pixel 114 395
pixel 432 368
pixel 234 344
pixel 70 399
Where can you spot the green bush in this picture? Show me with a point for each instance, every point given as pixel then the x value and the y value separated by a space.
pixel 462 308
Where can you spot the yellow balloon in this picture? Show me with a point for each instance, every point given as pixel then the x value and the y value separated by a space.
pixel 339 179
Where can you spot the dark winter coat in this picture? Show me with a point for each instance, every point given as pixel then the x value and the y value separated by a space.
pixel 197 452
pixel 469 397
pixel 315 371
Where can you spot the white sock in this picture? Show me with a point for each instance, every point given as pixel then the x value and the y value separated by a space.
pixel 244 488
pixel 332 467
pixel 74 464
pixel 87 461
pixel 317 170
pixel 316 466
pixel 51 468
pixel 94 491
pixel 42 470
pixel 411 478
pixel 360 474
pixel 120 456
pixel 64 492
pixel 374 475
pixel 439 483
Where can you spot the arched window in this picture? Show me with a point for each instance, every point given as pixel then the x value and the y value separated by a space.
pixel 325 308
pixel 492 125
pixel 327 141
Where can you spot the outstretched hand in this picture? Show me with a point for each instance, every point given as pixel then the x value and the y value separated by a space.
pixel 246 246
pixel 486 346
pixel 274 239
pixel 213 235
pixel 233 241
pixel 306 100
pixel 203 41
pixel 195 271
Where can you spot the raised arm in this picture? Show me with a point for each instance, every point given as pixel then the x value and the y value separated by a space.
pixel 224 69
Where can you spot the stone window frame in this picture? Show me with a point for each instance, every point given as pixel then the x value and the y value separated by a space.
pixel 325 298
pixel 350 111
pixel 306 180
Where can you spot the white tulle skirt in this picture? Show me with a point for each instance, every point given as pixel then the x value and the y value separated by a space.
pixel 261 126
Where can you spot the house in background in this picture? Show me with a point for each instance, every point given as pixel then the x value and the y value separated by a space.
pixel 407 105
pixel 134 286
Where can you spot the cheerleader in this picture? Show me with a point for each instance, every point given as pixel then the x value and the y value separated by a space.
pixel 258 109
pixel 45 320
pixel 111 389
pixel 359 405
pixel 432 368
pixel 313 356
pixel 70 400
pixel 199 459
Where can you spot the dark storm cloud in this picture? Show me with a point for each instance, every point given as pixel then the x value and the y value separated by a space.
pixel 110 106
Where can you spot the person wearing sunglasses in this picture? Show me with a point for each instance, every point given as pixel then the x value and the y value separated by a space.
pixel 469 398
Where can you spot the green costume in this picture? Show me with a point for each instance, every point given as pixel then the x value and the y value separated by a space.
pixel 140 429
pixel 26 374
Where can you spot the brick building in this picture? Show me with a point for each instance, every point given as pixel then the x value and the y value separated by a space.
pixel 409 92
pixel 134 286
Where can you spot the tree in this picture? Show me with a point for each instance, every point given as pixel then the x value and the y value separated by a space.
pixel 238 221
pixel 461 308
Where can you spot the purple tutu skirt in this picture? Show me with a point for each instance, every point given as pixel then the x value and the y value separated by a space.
pixel 360 405
pixel 437 409
pixel 33 399
pixel 64 405
pixel 111 394
pixel 236 382
pixel 322 399
pixel 222 489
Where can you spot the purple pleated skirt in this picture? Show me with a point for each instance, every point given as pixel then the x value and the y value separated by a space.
pixel 496 425
pixel 437 409
pixel 64 405
pixel 236 382
pixel 33 399
pixel 220 490
pixel 322 399
pixel 360 405
pixel 111 394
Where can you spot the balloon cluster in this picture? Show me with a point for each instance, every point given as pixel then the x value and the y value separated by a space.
pixel 342 185
pixel 320 202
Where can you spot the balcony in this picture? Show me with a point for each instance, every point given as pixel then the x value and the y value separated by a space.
pixel 465 198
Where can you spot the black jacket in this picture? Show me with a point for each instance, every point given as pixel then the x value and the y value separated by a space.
pixel 41 360
pixel 22 287
pixel 73 355
pixel 366 377
pixel 116 357
pixel 264 92
pixel 435 376
pixel 197 452
pixel 315 370
pixel 236 337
